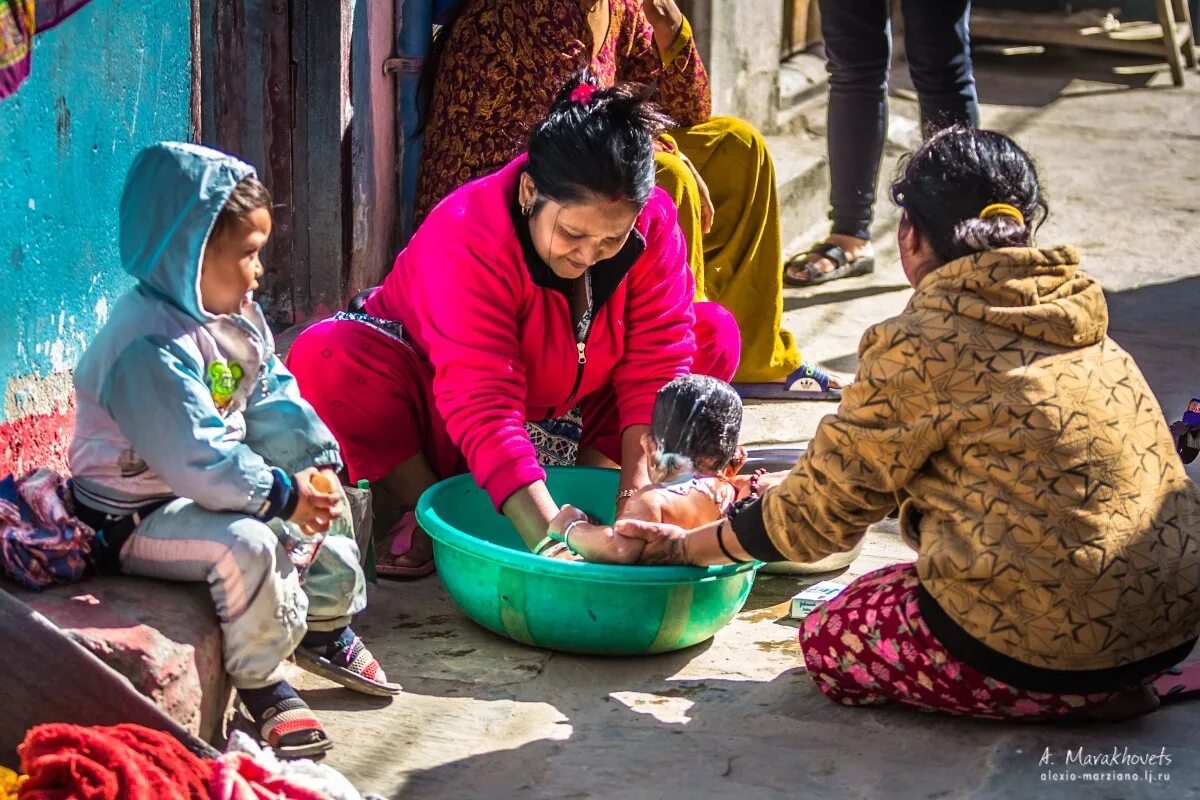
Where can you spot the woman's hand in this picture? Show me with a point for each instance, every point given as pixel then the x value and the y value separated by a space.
pixel 319 503
pixel 662 544
pixel 597 543
pixel 666 19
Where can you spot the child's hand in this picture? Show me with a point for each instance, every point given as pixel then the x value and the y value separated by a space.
pixel 319 504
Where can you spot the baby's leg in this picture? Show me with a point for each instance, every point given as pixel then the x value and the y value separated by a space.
pixel 257 593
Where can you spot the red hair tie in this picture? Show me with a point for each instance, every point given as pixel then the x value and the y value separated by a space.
pixel 582 93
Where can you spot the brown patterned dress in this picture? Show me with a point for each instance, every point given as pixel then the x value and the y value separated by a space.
pixel 506 60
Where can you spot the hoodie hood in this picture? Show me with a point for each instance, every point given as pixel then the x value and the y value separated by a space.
pixel 1040 294
pixel 173 194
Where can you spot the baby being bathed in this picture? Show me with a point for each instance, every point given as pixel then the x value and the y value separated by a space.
pixel 693 458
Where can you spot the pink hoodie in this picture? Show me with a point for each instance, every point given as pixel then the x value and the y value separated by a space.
pixel 503 347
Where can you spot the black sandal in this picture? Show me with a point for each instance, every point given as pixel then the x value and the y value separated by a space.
pixel 843 266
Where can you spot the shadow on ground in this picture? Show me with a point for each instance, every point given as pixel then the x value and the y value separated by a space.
pixel 484 717
pixel 1037 80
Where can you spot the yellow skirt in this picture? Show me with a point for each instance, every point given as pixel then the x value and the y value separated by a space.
pixel 739 264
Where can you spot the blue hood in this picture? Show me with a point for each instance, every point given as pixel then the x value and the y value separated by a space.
pixel 173 194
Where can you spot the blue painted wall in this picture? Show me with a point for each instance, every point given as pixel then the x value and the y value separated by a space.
pixel 107 81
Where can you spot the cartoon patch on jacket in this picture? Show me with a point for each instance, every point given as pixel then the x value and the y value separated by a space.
pixel 223 380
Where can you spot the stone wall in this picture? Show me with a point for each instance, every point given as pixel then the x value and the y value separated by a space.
pixel 740 43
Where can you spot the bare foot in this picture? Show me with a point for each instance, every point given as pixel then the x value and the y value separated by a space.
pixel 1124 705
pixel 855 249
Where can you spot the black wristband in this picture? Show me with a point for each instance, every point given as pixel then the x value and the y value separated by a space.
pixel 721 543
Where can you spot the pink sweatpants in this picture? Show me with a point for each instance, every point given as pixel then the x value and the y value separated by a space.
pixel 376 393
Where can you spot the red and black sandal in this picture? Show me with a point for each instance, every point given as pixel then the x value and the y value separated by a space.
pixel 292 731
pixel 347 662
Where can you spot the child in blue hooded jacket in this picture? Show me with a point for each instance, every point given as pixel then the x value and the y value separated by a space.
pixel 193 446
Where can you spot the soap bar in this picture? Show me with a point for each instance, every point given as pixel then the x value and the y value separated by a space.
pixel 813 596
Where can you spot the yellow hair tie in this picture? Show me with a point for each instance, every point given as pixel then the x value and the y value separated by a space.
pixel 1002 210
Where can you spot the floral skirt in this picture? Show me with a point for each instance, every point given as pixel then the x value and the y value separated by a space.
pixel 870 645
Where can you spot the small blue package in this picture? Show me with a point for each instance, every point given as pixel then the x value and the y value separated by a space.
pixel 804 602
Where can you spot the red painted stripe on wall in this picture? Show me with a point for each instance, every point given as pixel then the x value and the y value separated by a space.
pixel 38 440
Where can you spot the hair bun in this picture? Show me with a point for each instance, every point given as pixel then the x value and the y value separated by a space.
pixel 597 140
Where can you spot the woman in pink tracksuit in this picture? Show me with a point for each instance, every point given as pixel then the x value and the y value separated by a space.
pixel 555 291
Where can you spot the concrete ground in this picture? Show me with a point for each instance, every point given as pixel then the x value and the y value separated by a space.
pixel 482 717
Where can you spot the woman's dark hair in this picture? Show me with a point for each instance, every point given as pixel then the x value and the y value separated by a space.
pixel 696 419
pixel 946 182
pixel 249 194
pixel 596 142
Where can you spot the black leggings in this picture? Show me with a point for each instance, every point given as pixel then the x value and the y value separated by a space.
pixel 858 45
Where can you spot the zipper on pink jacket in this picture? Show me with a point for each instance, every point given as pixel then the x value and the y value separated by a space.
pixel 581 347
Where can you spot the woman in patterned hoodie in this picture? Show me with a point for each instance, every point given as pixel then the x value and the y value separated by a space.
pixel 1058 537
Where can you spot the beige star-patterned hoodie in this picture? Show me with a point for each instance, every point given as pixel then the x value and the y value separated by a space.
pixel 1052 518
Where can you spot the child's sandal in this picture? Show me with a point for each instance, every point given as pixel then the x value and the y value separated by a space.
pixel 292 731
pixel 349 664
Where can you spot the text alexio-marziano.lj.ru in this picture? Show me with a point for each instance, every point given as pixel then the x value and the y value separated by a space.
pixel 1117 765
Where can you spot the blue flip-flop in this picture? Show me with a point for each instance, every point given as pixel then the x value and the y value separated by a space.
pixel 807 382
pixel 1181 682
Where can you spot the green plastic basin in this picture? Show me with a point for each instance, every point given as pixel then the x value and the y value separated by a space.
pixel 577 607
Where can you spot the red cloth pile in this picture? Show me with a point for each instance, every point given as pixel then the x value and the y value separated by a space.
pixel 129 762
pixel 123 762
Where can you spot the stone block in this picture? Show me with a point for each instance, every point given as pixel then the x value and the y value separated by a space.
pixel 164 638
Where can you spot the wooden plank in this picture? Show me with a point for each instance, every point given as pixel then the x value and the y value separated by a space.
pixel 1187 38
pixel 322 144
pixel 1171 40
pixel 1083 30
pixel 229 70
pixel 280 263
pixel 801 25
pixel 196 123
